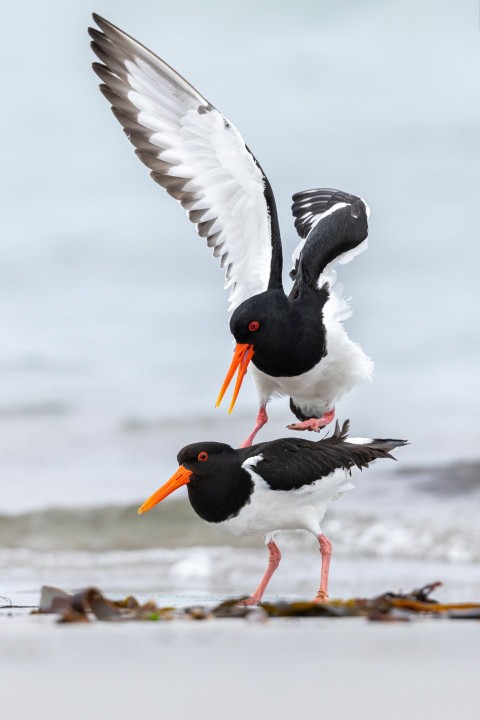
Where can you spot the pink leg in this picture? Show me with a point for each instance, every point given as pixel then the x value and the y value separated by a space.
pixel 262 418
pixel 314 423
pixel 326 552
pixel 273 562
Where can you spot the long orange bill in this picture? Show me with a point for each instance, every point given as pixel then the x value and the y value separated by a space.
pixel 241 358
pixel 181 477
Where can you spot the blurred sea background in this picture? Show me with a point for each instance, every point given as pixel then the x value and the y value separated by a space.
pixel 113 320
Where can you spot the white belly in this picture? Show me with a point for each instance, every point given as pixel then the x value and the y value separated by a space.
pixel 271 511
pixel 318 390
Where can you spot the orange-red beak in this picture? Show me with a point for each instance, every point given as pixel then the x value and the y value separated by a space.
pixel 181 477
pixel 241 358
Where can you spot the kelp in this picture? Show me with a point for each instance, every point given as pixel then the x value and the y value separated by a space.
pixel 90 604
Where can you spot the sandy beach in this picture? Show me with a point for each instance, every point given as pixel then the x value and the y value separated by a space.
pixel 233 669
pixel 254 667
pixel 213 669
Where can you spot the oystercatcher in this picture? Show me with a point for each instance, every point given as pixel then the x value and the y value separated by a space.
pixel 269 487
pixel 297 343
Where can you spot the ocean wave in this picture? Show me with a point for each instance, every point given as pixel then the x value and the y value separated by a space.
pixel 35 409
pixel 354 534
pixel 459 478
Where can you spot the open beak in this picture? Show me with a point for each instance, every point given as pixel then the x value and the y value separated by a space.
pixel 241 358
pixel 181 477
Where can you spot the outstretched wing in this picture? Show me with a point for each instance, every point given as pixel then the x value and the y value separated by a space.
pixel 292 463
pixel 334 228
pixel 197 156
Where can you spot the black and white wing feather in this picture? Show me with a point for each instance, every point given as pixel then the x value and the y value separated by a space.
pixel 292 463
pixel 333 226
pixel 197 156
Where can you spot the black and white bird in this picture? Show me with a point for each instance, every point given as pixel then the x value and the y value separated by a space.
pixel 297 343
pixel 271 487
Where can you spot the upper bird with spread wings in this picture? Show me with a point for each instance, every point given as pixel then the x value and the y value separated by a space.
pixel 297 343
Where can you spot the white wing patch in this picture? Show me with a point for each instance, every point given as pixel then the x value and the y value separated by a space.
pixel 250 463
pixel 359 441
pixel 194 153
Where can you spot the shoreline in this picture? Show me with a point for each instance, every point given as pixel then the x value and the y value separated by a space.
pixel 203 575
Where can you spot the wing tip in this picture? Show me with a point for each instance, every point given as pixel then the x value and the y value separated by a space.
pixel 102 22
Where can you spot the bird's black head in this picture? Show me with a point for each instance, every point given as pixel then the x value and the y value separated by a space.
pixel 282 337
pixel 287 337
pixel 273 327
pixel 218 487
pixel 260 326
pixel 258 320
pixel 203 459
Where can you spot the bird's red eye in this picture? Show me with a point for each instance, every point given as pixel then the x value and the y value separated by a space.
pixel 202 456
pixel 254 325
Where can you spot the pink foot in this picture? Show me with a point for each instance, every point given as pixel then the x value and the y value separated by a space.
pixel 314 424
pixel 262 418
pixel 253 600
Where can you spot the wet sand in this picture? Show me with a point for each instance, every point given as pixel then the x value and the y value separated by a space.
pixel 236 669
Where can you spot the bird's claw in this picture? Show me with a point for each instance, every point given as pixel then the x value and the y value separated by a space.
pixel 250 601
pixel 313 424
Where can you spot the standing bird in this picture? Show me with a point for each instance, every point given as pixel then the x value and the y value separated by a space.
pixel 297 343
pixel 281 485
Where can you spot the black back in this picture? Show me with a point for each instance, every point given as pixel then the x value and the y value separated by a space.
pixel 291 463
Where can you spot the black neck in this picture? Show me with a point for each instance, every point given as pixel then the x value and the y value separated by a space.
pixel 298 340
pixel 222 494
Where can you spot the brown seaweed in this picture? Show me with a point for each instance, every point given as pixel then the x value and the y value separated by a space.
pixel 88 604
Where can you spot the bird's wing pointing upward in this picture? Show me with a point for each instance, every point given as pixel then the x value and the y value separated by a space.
pixel 197 156
pixel 334 228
